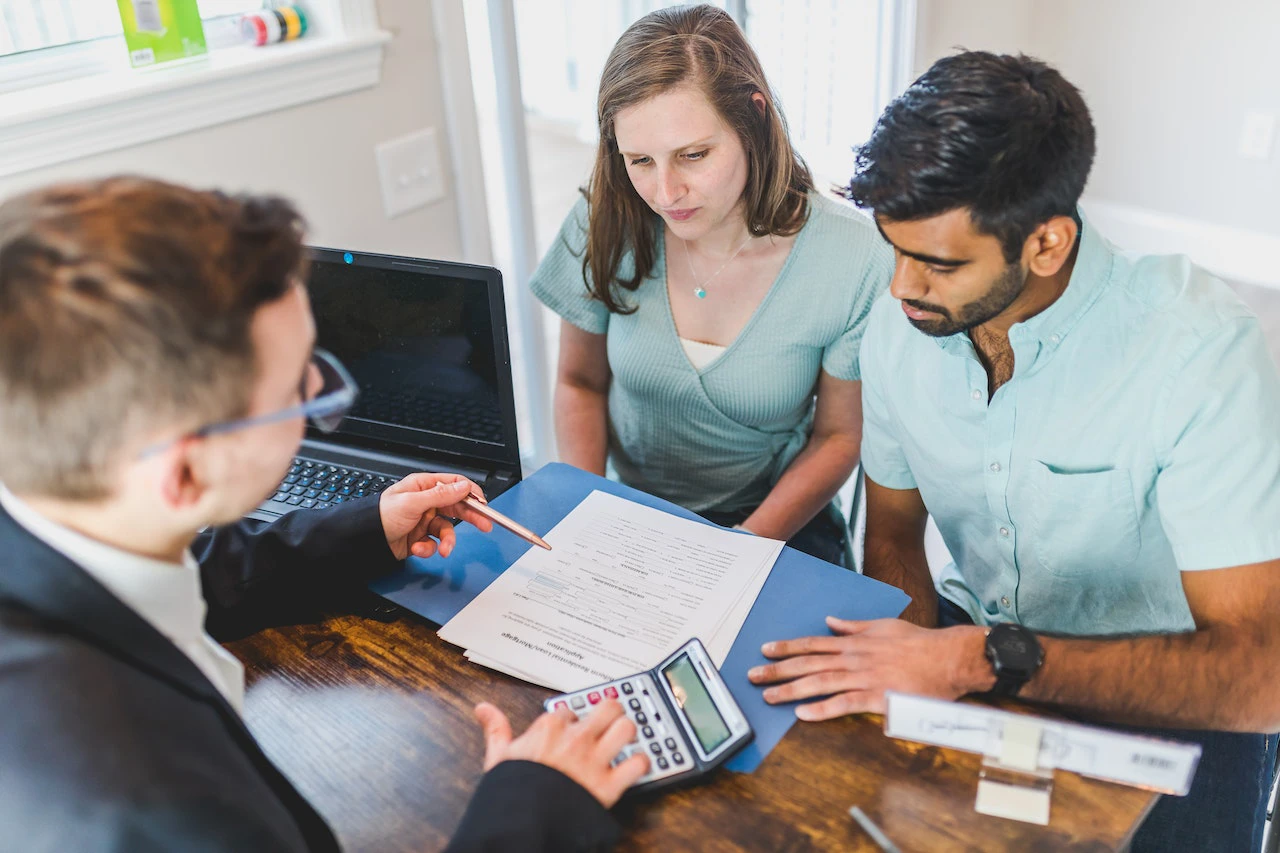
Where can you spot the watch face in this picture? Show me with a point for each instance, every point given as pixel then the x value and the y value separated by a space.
pixel 1014 649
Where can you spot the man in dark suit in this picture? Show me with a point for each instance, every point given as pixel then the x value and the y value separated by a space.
pixel 156 370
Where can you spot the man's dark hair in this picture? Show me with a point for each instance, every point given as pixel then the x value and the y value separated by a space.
pixel 1006 137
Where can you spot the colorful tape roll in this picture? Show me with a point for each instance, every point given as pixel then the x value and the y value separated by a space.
pixel 284 23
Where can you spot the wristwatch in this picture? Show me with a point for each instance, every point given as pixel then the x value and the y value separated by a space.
pixel 1015 655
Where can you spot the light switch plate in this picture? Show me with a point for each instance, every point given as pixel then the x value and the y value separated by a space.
pixel 1257 135
pixel 410 171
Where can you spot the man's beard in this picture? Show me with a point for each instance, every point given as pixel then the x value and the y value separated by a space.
pixel 1004 290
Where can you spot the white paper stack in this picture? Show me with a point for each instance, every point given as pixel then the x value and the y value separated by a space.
pixel 624 586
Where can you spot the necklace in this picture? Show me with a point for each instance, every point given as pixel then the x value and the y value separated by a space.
pixel 700 290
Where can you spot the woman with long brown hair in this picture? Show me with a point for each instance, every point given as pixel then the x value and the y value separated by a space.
pixel 712 301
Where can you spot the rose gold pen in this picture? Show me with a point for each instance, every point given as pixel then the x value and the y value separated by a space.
pixel 477 503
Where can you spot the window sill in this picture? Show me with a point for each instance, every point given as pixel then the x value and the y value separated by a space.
pixel 46 125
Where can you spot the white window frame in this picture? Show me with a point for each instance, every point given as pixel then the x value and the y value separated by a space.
pixel 82 99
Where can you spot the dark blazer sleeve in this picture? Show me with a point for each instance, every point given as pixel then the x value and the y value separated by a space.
pixel 525 807
pixel 252 568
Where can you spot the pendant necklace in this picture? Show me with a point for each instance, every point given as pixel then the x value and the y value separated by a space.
pixel 700 290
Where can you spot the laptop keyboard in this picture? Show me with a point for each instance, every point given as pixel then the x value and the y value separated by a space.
pixel 318 485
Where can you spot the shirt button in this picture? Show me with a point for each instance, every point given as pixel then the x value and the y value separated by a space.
pixel 1004 532
pixel 1004 599
pixel 995 467
pixel 1055 338
pixel 976 394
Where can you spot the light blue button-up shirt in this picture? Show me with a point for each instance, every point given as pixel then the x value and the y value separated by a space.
pixel 1138 438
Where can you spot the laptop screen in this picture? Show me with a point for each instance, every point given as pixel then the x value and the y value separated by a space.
pixel 426 342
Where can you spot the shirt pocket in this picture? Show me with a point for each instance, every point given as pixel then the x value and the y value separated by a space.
pixel 1083 523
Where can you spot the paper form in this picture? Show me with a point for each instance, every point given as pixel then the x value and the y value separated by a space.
pixel 1144 762
pixel 624 586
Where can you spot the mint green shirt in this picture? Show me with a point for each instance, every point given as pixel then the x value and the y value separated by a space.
pixel 1138 438
pixel 720 439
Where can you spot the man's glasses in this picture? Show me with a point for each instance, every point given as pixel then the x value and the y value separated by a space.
pixel 326 407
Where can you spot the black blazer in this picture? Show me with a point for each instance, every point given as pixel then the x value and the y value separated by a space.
pixel 111 739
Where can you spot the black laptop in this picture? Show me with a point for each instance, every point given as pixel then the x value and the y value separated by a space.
pixel 426 342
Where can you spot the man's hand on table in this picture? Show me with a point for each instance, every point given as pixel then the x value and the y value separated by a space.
pixel 580 749
pixel 419 507
pixel 854 666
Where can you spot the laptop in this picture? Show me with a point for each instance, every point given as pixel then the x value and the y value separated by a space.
pixel 426 342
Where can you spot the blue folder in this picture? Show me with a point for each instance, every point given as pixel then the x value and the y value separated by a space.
pixel 800 593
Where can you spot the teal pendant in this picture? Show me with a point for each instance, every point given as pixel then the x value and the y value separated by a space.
pixel 700 293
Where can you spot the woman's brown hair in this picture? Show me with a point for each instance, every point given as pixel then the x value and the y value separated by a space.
pixel 700 45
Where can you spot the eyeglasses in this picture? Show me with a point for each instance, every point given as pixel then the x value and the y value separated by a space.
pixel 325 408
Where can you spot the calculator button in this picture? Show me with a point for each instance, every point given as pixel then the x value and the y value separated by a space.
pixel 611 692
pixel 593 697
pixel 647 732
pixel 662 763
pixel 670 742
pixel 561 704
pixel 677 758
pixel 627 688
pixel 308 503
pixel 634 704
pixel 578 702
pixel 655 748
pixel 641 719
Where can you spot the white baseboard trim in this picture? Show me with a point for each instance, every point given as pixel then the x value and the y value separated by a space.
pixel 1232 253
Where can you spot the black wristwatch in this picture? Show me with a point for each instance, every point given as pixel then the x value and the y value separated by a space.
pixel 1015 655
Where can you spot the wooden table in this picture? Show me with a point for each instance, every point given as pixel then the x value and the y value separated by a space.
pixel 371 718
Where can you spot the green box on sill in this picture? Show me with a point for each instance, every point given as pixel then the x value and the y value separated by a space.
pixel 161 30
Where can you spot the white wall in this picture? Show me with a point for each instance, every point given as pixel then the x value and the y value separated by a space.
pixel 1169 83
pixel 320 154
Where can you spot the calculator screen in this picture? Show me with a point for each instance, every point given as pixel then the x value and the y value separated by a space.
pixel 692 697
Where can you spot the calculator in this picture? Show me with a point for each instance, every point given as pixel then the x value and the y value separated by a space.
pixel 686 719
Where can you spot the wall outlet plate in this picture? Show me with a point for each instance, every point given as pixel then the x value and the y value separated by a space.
pixel 410 172
pixel 1257 135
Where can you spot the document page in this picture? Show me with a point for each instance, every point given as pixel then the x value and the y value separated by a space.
pixel 623 587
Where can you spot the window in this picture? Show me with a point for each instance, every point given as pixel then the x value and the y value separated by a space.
pixel 67 90
pixel 30 25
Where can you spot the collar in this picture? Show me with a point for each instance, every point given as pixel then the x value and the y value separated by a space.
pixel 165 594
pixel 36 577
pixel 1090 276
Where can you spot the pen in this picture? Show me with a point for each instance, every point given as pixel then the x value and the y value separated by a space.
pixel 876 833
pixel 477 504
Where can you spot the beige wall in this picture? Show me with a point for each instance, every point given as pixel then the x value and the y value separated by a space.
pixel 1168 81
pixel 320 154
pixel 945 26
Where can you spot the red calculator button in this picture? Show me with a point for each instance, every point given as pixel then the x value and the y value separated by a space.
pixel 561 704
pixel 611 692
pixel 593 698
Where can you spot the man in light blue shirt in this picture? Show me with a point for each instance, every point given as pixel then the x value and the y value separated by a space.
pixel 1096 434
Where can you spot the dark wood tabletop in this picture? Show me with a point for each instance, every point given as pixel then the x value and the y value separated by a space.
pixel 371 718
